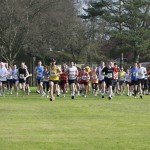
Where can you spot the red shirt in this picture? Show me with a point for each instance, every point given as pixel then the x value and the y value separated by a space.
pixel 63 76
pixel 116 73
pixel 83 77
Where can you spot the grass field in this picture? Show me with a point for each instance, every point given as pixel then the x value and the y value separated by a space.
pixel 92 123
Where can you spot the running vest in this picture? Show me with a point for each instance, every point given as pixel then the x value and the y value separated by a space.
pixel 3 73
pixel 100 76
pixel 22 73
pixel 9 74
pixel 39 74
pixel 46 76
pixel 54 73
pixel 15 74
pixel 84 77
pixel 63 76
pixel 94 77
pixel 72 73
pixel 127 77
pixel 134 74
pixel 141 73
pixel 122 75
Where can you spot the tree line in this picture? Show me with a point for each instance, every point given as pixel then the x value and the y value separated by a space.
pixel 49 29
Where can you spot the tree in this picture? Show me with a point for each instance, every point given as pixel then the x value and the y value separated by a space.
pixel 33 25
pixel 128 23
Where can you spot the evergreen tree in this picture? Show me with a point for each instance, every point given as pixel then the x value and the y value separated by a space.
pixel 128 22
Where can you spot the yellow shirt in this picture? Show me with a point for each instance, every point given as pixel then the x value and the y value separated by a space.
pixel 122 75
pixel 54 73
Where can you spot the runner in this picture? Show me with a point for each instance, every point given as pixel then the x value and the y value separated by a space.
pixel 115 81
pixel 23 74
pixel 39 77
pixel 3 79
pixel 134 78
pixel 148 81
pixel 88 70
pixel 94 80
pixel 108 71
pixel 27 86
pixel 72 77
pixel 54 80
pixel 141 75
pixel 15 79
pixel 83 79
pixel 9 80
pixel 128 82
pixel 46 75
pixel 101 79
pixel 63 79
pixel 122 74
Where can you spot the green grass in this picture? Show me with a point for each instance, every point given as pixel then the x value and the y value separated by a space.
pixel 92 123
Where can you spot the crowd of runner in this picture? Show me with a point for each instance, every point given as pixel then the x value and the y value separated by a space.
pixel 104 80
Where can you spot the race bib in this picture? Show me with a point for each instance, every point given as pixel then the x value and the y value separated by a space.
pixel 15 76
pixel 109 75
pixel 135 74
pixel 53 73
pixel 39 74
pixel 72 76
pixel 94 76
pixel 9 77
pixel 21 76
pixel 84 78
pixel 122 78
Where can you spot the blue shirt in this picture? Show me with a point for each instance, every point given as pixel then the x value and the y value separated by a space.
pixel 39 74
pixel 134 74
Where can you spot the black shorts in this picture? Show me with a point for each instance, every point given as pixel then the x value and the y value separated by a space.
pixel 141 81
pixel 55 82
pixel 22 81
pixel 121 82
pixel 71 81
pixel 14 81
pixel 128 83
pixel 76 81
pixel 45 85
pixel 95 86
pixel 4 82
pixel 84 83
pixel 109 82
pixel 27 80
pixel 62 82
pixel 134 82
pixel 101 81
pixel 39 80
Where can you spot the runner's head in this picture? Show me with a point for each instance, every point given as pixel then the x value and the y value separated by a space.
pixel 53 62
pixel 115 65
pixel 45 68
pixel 72 64
pixel 135 65
pixel 22 65
pixel 109 64
pixel 39 63
pixel 14 67
pixel 140 65
pixel 83 69
pixel 102 64
pixel 2 64
pixel 94 67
